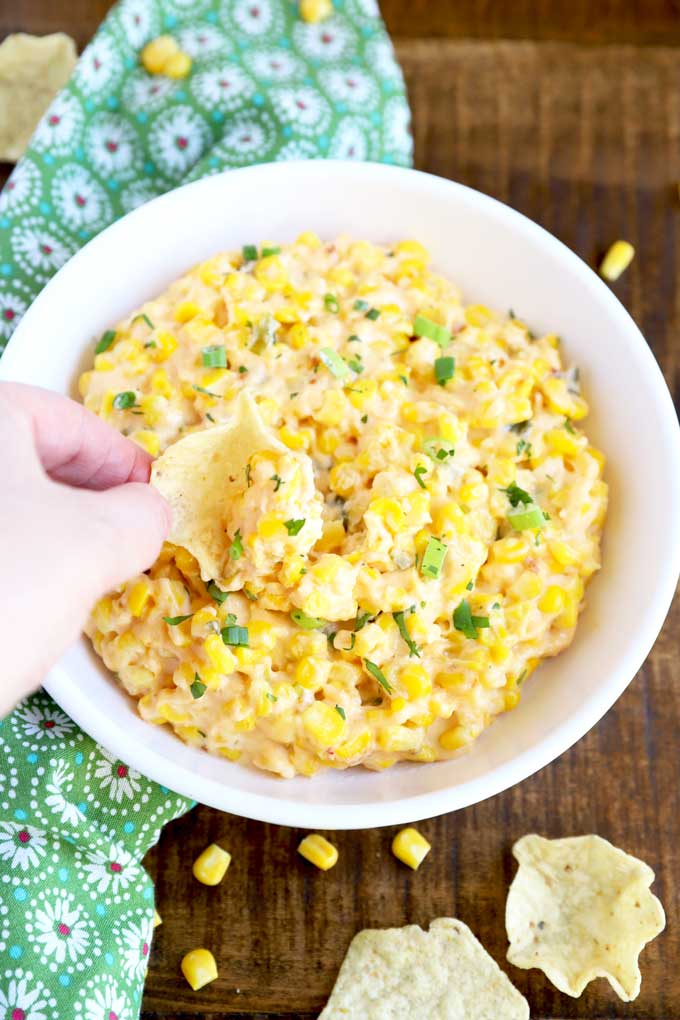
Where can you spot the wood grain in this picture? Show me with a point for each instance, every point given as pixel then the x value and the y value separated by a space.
pixel 571 113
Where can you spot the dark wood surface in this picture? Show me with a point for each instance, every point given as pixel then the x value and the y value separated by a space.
pixel 571 113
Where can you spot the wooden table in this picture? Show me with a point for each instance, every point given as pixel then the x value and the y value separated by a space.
pixel 571 113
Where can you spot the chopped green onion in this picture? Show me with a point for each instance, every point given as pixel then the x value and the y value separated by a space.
pixel 444 369
pixel 216 593
pixel 361 306
pixel 522 677
pixel 378 674
pixel 340 711
pixel 198 688
pixel 174 621
pixel 278 481
pixel 419 472
pixel 123 401
pixel 361 620
pixel 331 303
pixel 248 469
pixel 270 251
pixel 364 418
pixel 464 621
pixel 496 605
pixel 438 448
pixel 249 252
pixel 272 697
pixel 250 595
pixel 433 558
pixel 404 380
pixel 517 495
pixel 527 516
pixel 236 547
pixel 401 624
pixel 214 356
pixel 333 362
pixel 356 365
pixel 469 586
pixel 372 314
pixel 235 636
pixel 354 339
pixel 105 342
pixel 520 426
pixel 146 319
pixel 242 369
pixel 523 448
pixel 307 622
pixel 151 343
pixel 569 427
pixel 294 527
pixel 208 393
pixel 432 330
pixel 209 417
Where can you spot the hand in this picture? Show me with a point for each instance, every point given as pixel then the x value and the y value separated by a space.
pixel 77 517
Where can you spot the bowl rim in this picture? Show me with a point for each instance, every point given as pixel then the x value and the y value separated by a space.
pixel 346 815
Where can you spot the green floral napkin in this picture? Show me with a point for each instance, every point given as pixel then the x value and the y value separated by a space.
pixel 76 906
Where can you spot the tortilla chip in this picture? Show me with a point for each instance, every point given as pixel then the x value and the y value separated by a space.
pixel 579 909
pixel 32 70
pixel 409 974
pixel 199 474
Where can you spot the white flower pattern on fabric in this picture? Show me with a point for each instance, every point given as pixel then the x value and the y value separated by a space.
pixel 326 40
pixel 57 799
pixel 225 87
pixel 303 106
pixel 381 58
pixel 133 933
pixel 178 137
pixel 22 190
pixel 277 65
pixel 254 17
pixel 60 127
pixel 248 138
pixel 137 194
pixel 40 251
pixel 42 720
pixel 61 931
pixel 12 307
pixel 139 21
pixel 80 200
pixel 116 778
pixel 367 8
pixel 299 148
pixel 145 94
pixel 22 846
pixel 203 41
pixel 4 926
pixel 98 67
pixel 23 997
pixel 112 146
pixel 350 141
pixel 352 87
pixel 397 130
pixel 102 998
pixel 109 871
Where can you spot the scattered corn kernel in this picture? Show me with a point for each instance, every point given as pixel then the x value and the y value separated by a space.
pixel 617 260
pixel 318 851
pixel 210 867
pixel 199 968
pixel 410 847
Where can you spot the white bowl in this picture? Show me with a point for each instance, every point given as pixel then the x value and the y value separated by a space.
pixel 497 257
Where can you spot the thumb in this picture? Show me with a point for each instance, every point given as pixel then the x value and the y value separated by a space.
pixel 132 522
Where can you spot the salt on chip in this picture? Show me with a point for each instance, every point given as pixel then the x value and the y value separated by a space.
pixel 32 70
pixel 200 473
pixel 580 908
pixel 409 974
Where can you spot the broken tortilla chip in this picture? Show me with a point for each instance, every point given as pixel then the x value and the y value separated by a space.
pixel 204 475
pixel 579 909
pixel 407 973
pixel 32 70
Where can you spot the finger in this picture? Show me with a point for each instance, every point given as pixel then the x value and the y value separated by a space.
pixel 132 522
pixel 73 444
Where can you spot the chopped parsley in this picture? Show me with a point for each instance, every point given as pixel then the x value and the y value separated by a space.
pixel 235 636
pixel 354 339
pixel 403 630
pixel 249 252
pixel 469 586
pixel 373 314
pixel 272 697
pixel 520 426
pixel 242 369
pixel 331 303
pixel 364 418
pixel 105 342
pixel 466 623
pixel 174 621
pixel 360 305
pixel 294 527
pixel 438 448
pixel 198 688
pixel 517 495
pixel 216 593
pixel 376 672
pixel 236 547
pixel 123 401
pixel 523 448
pixel 419 472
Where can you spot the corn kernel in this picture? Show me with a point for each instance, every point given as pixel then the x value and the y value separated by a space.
pixel 527 586
pixel 318 851
pixel 148 440
pixel 561 401
pixel 399 738
pixel 559 441
pixel 210 867
pixel 103 363
pixel 477 315
pixel 510 550
pixel 389 511
pixel 313 11
pixel 177 66
pixel 562 552
pixel 271 273
pixel 553 601
pixel 156 52
pixel 323 724
pixel 617 260
pixel 294 440
pixel 410 847
pixel 166 344
pixel 219 655
pixel 333 409
pixel 270 527
pixel 186 310
pixel 415 680
pixel 456 737
pixel 199 968
pixel 311 672
pixel 138 596
pixel 355 747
